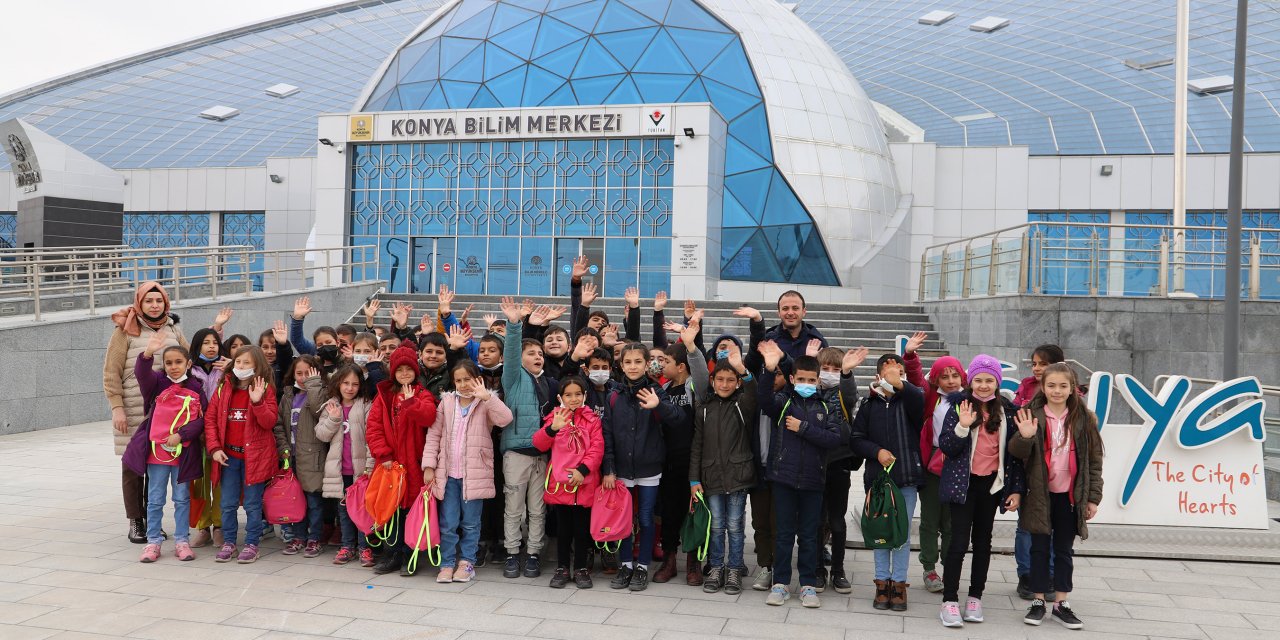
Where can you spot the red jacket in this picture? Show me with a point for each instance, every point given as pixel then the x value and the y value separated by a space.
pixel 260 457
pixel 396 431
pixel 544 439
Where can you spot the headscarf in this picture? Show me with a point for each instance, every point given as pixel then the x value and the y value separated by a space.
pixel 130 319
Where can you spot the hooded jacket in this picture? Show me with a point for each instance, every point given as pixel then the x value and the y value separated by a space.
pixel 520 393
pixel 397 432
pixel 957 444
pixel 151 384
pixel 307 452
pixel 477 465
pixel 585 419
pixel 892 424
pixel 797 459
pixel 633 444
pixel 721 457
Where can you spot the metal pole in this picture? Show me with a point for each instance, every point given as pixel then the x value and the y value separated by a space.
pixel 1235 182
pixel 1180 144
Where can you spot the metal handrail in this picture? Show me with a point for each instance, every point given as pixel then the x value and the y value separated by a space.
pixel 1024 259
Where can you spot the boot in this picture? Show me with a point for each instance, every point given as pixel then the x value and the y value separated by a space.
pixel 668 569
pixel 693 573
pixel 137 531
pixel 898 596
pixel 881 601
pixel 390 563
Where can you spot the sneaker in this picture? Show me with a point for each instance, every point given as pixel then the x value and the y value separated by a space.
pixel 809 598
pixel 366 557
pixel 1024 588
pixel 465 572
pixel 622 579
pixel 1035 614
pixel 445 576
pixel 345 555
pixel 248 555
pixel 312 550
pixel 777 596
pixel 764 578
pixel 950 615
pixel 582 579
pixel 840 582
pixel 406 572
pixel 932 581
pixel 218 540
pixel 711 583
pixel 183 551
pixel 268 530
pixel 225 554
pixel 390 562
pixel 482 554
pixel 639 579
pixel 821 583
pixel 560 578
pixel 292 547
pixel 609 562
pixel 733 581
pixel 1063 614
pixel 512 567
pixel 973 610
pixel 531 568
pixel 201 538
pixel 150 553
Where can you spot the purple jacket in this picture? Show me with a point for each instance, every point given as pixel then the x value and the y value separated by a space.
pixel 208 381
pixel 151 383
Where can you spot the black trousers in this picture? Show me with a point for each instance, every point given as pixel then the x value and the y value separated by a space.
pixel 835 503
pixel 974 521
pixel 491 522
pixel 573 524
pixel 134 489
pixel 1062 519
pixel 763 523
pixel 673 498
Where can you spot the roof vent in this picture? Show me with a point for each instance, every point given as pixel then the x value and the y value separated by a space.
pixel 281 90
pixel 219 113
pixel 1150 62
pixel 1213 84
pixel 989 24
pixel 985 115
pixel 936 17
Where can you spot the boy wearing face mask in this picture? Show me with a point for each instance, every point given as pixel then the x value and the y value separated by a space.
pixel 840 391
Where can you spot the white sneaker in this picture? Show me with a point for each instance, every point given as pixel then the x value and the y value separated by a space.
pixel 764 579
pixel 950 615
pixel 809 598
pixel 778 595
pixel 973 610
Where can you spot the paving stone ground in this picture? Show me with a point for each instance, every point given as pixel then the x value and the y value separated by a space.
pixel 67 572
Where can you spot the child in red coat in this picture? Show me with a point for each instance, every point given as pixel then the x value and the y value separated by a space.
pixel 396 432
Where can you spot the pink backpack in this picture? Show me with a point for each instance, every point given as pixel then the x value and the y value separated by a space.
pixel 283 501
pixel 422 529
pixel 354 504
pixel 611 516
pixel 567 452
pixel 174 408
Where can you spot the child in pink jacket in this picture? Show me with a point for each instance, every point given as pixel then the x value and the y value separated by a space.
pixel 573 435
pixel 457 465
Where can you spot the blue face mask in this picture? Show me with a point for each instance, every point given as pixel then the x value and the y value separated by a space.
pixel 205 358
pixel 806 390
pixel 722 355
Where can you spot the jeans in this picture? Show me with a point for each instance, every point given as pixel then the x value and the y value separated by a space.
pixel 891 564
pixel 835 502
pixel 728 514
pixel 159 477
pixel 674 492
pixel 762 523
pixel 935 522
pixel 522 488
pixel 1022 553
pixel 232 485
pixel 798 515
pixel 1051 554
pixel 351 536
pixel 646 498
pixel 455 512
pixel 310 527
pixel 973 520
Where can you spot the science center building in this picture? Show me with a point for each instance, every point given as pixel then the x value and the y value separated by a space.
pixel 709 148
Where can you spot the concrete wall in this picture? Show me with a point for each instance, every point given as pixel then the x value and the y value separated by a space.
pixel 51 373
pixel 1143 337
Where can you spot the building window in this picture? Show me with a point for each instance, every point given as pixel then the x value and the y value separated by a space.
pixel 8 229
pixel 245 229
pixel 168 231
pixel 1063 255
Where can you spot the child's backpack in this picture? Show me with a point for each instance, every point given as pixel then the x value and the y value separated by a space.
pixel 611 516
pixel 422 529
pixel 174 408
pixel 382 499
pixel 696 535
pixel 283 501
pixel 567 451
pixel 354 504
pixel 884 515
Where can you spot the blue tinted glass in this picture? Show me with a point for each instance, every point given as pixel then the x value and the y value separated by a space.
pixel 595 90
pixel 659 87
pixel 536 262
pixel 504 264
pixel 508 15
pixel 618 17
pixel 553 34
pixel 620 262
pixel 627 46
pixel 655 267
pixel 584 14
pixel 699 47
pixel 596 60
pixel 663 56
pixel 498 61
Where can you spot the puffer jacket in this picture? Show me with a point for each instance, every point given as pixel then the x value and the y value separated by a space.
pixel 118 381
pixel 892 424
pixel 306 452
pixel 585 419
pixel 798 459
pixel 260 456
pixel 397 432
pixel 329 430
pixel 957 444
pixel 1086 445
pixel 477 467
pixel 633 443
pixel 721 457
pixel 519 393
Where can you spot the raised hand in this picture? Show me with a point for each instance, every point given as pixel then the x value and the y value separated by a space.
pixel 539 316
pixel 479 391
pixel 735 358
pixel 660 301
pixel 695 318
pixel 527 307
pixel 156 343
pixel 346 350
pixel 609 336
pixel 307 373
pixel 689 308
pixel 510 309
pixel 582 350
pixel 688 334
pixel 915 341
pixel 279 332
pixel 400 315
pixel 967 415
pixel 793 423
pixel 333 408
pixel 371 309
pixel 445 305
pixel 672 327
pixel 301 307
pixel 555 311
pixel 771 353
pixel 632 296
pixel 466 313
pixel 459 337
pixel 853 358
pixel 813 347
pixel 257 389
pixel 589 294
pixel 561 418
pixel 489 319
pixel 408 392
pixel 580 267
pixel 221 320
pixel 1027 423
pixel 749 313
pixel 648 399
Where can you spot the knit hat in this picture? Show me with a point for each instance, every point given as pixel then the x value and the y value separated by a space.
pixel 983 363
pixel 730 337
pixel 404 356
pixel 889 357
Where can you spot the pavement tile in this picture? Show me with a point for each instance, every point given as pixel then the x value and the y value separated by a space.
pixel 566 630
pixel 16 613
pixel 288 621
pixel 169 629
pixel 18 632
pixel 371 610
pixel 476 621
pixel 554 610
pixel 116 624
pixel 382 630
pixel 85 599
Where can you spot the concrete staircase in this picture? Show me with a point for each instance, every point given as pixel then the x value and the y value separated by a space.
pixel 845 326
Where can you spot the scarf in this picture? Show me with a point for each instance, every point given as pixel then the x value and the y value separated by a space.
pixel 130 319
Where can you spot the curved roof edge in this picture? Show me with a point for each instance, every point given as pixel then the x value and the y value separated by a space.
pixel 112 65
pixel 372 83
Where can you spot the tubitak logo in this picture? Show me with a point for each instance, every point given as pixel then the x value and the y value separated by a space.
pixel 657 117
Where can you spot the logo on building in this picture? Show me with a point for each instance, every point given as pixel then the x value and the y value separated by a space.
pixel 657 120
pixel 26 171
pixel 361 127
pixel 657 117
pixel 470 267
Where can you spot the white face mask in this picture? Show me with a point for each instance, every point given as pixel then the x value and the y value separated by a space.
pixel 829 379
pixel 179 380
pixel 599 376
pixel 361 359
pixel 242 374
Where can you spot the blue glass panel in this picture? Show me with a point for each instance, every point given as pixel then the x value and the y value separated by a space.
pixel 757 138
pixel 595 90
pixel 695 93
pixel 453 50
pixel 518 39
pixel 435 100
pixel 8 230
pixel 700 47
pixel 754 261
pixel 459 94
pixel 536 262
pixel 561 97
pixel 783 208
pixel 735 215
pixel 596 61
pixel 626 46
pixel 421 59
pixel 508 15
pixel 731 68
pixel 532 5
pixel 738 158
pixel 663 56
pixel 732 240
pixel 619 17
pixel 484 99
pixel 785 243
pixel 659 87
pixel 626 93
pixel 655 266
pixel 504 266
pixel 508 88
pixel 689 14
pixel 562 60
pixel 750 188
pixel 814 267
pixel 729 101
pixel 553 34
pixel 585 14
pixel 539 84
pixel 621 260
pixel 470 68
pixel 498 61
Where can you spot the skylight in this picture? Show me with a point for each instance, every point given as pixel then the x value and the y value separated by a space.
pixel 985 115
pixel 1212 84
pixel 989 24
pixel 219 113
pixel 936 17
pixel 282 90
pixel 1149 62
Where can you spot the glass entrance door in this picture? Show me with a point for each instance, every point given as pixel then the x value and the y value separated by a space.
pixel 568 250
pixel 422 276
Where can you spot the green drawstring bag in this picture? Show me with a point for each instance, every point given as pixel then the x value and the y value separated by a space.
pixel 696 535
pixel 885 519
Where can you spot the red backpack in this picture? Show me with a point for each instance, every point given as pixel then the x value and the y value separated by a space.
pixel 611 516
pixel 283 501
pixel 422 529
pixel 567 451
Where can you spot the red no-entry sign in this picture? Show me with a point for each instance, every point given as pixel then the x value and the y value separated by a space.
pixel 422 266
pixel 446 267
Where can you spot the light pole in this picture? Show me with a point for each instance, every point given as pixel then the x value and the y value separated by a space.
pixel 1181 30
pixel 1235 182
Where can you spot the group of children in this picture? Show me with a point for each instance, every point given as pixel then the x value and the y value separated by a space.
pixel 552 415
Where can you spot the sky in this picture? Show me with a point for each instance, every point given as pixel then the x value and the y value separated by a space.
pixel 44 39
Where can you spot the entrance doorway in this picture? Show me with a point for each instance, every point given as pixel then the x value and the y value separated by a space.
pixel 568 250
pixel 432 261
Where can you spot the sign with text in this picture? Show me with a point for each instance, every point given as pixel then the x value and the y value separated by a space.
pixel 560 122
